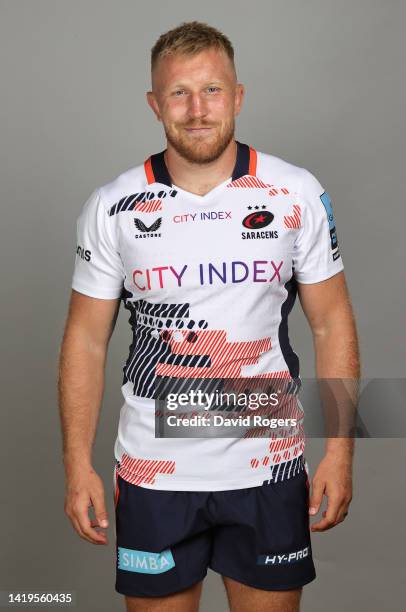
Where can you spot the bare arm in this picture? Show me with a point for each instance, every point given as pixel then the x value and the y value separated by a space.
pixel 328 310
pixel 89 326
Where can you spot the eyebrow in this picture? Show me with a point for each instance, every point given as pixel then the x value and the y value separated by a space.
pixel 180 84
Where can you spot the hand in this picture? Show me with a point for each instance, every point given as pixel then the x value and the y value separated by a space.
pixel 85 489
pixel 333 478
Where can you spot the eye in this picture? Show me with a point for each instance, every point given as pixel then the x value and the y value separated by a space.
pixel 213 88
pixel 179 91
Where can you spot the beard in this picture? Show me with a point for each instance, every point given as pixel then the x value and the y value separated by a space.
pixel 200 150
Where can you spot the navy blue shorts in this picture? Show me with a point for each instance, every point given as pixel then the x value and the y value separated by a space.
pixel 259 536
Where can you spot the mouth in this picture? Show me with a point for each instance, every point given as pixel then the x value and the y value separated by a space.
pixel 197 131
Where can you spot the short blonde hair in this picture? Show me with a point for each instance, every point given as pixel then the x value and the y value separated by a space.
pixel 190 38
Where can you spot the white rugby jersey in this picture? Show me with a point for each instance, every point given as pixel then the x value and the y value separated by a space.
pixel 209 282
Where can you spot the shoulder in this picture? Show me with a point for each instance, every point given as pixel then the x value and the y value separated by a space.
pixel 131 182
pixel 279 172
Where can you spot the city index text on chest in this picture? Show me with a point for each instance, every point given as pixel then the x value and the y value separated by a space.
pixel 159 277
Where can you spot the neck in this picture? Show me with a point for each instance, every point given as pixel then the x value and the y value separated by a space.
pixel 200 178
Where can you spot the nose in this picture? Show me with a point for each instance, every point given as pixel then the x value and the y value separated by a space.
pixel 197 106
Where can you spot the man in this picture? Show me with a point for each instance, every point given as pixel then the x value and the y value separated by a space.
pixel 207 244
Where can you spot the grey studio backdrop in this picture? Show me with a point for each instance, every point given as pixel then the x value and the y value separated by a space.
pixel 325 91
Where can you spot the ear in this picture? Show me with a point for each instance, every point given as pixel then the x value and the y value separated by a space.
pixel 152 102
pixel 239 97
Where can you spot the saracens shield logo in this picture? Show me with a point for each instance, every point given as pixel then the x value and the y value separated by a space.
pixel 258 220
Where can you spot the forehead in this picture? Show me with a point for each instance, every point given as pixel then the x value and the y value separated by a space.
pixel 207 65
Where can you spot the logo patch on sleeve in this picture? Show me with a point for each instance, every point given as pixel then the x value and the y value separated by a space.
pixel 144 562
pixel 326 201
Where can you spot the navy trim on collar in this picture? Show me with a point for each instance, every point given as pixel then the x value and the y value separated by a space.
pixel 241 167
pixel 242 163
pixel 160 170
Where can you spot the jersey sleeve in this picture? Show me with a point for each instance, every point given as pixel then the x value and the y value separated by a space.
pixel 98 269
pixel 316 254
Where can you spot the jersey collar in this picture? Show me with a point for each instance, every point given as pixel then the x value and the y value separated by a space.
pixel 246 163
